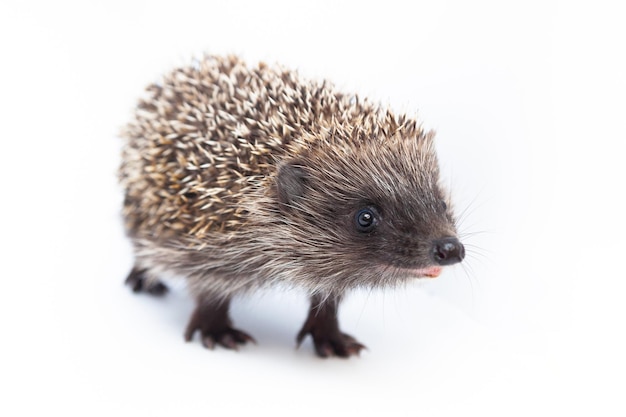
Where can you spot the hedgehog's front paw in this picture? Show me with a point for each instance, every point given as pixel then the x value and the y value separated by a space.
pixel 229 337
pixel 215 327
pixel 332 344
pixel 327 338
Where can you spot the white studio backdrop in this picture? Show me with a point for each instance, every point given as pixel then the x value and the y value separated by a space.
pixel 527 99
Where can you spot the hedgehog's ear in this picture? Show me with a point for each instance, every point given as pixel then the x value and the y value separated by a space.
pixel 291 182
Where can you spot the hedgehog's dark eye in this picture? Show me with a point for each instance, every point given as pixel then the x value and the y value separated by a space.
pixel 444 206
pixel 366 219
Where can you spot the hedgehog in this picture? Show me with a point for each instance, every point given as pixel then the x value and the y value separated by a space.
pixel 238 178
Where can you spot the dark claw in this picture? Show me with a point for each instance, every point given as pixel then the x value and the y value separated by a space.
pixel 355 348
pixel 301 335
pixel 322 351
pixel 228 341
pixel 242 337
pixel 348 337
pixel 208 342
pixel 189 331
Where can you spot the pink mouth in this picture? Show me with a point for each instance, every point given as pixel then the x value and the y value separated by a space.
pixel 432 272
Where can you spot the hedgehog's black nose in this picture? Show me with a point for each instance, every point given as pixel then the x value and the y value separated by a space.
pixel 448 251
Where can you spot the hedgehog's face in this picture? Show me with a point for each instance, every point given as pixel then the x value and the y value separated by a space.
pixel 375 209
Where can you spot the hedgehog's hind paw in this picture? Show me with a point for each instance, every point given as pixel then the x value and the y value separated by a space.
pixel 139 283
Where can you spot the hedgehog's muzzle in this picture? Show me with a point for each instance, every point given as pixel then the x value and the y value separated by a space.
pixel 447 251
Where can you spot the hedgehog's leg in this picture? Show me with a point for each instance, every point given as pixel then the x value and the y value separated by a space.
pixel 323 327
pixel 138 281
pixel 211 319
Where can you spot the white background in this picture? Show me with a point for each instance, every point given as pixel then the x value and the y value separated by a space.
pixel 528 100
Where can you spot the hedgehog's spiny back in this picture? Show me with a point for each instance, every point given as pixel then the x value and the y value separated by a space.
pixel 210 133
